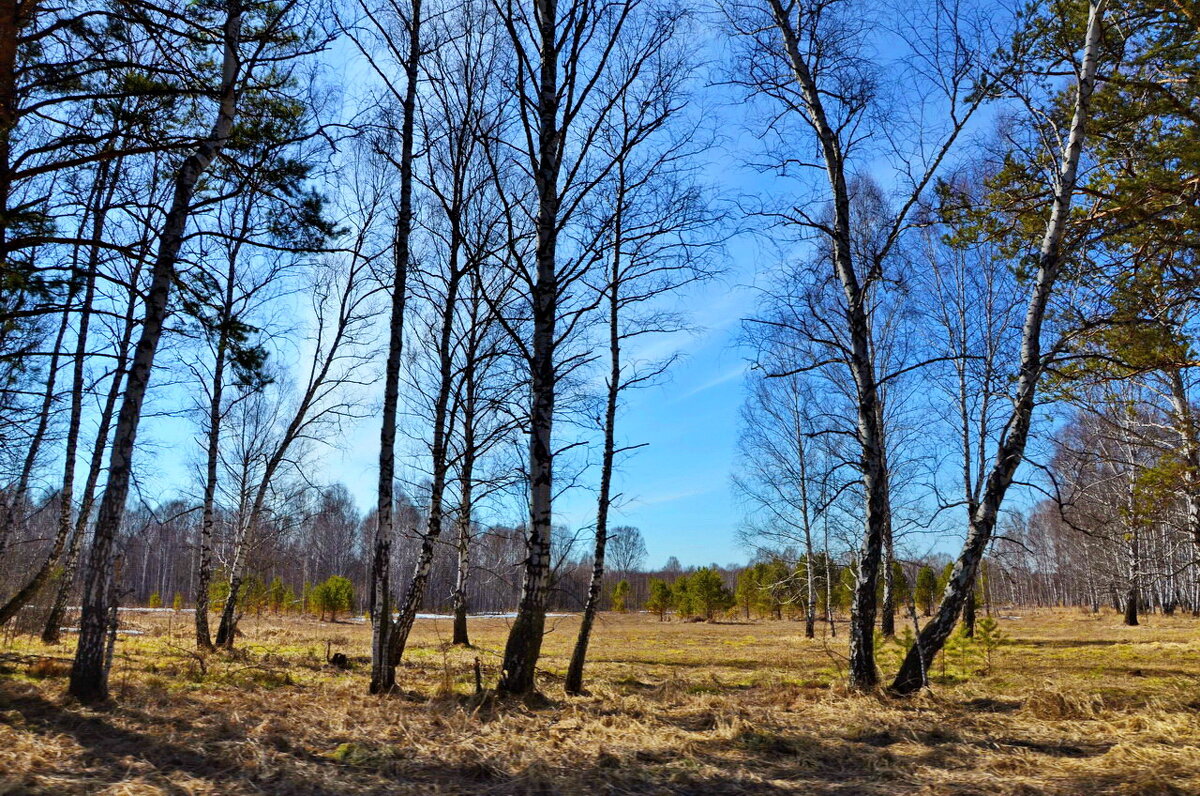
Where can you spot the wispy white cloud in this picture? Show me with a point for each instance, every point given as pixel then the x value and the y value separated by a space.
pixel 667 497
pixel 716 381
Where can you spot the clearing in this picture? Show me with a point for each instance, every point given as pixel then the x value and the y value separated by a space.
pixel 1073 703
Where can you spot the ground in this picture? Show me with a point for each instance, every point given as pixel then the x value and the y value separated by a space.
pixel 1071 703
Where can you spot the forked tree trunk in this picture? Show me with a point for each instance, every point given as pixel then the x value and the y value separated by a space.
pixel 89 673
pixel 227 627
pixel 911 677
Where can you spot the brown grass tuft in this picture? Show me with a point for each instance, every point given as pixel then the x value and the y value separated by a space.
pixel 673 708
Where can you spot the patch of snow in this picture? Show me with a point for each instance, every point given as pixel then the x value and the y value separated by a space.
pixel 132 610
pixel 363 619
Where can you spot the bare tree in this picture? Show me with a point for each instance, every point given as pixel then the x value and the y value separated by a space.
pixel 89 674
pixel 782 473
pixel 1051 257
pixel 810 59
pixel 342 308
pixel 390 39
pixel 656 231
pixel 568 85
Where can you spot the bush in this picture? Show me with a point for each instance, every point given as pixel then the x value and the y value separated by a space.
pixel 926 590
pixel 276 595
pixel 332 596
pixel 682 598
pixel 177 603
pixel 620 596
pixel 708 593
pixel 253 595
pixel 156 600
pixel 660 598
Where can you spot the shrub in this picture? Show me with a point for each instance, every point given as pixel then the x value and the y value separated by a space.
pixel 177 603
pixel 926 590
pixel 620 596
pixel 156 600
pixel 708 593
pixel 989 638
pixel 660 598
pixel 333 596
pixel 276 595
pixel 682 598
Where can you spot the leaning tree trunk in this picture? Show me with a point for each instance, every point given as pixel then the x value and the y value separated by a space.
pixel 968 621
pixel 574 681
pixel 227 627
pixel 440 458
pixel 45 572
pixel 15 504
pixel 911 676
pixel 104 189
pixel 51 632
pixel 89 673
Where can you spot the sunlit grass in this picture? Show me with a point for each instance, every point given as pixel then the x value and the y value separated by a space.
pixel 1073 704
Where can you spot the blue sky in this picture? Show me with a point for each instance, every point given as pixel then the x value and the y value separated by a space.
pixel 677 488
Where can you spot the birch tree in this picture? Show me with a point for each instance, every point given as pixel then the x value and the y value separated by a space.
pixel 1051 257
pixel 811 62
pixel 566 86
pixel 249 38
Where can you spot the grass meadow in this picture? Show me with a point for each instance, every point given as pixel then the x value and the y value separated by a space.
pixel 1070 703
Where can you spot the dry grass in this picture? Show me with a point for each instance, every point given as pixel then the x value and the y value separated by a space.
pixel 1074 705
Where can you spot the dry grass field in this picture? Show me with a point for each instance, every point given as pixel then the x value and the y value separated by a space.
pixel 1072 704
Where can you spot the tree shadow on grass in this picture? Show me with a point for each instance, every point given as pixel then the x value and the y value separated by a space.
pixel 109 749
pixel 1066 643
pixel 112 753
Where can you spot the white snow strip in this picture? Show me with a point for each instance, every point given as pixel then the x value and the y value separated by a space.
pixel 363 619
